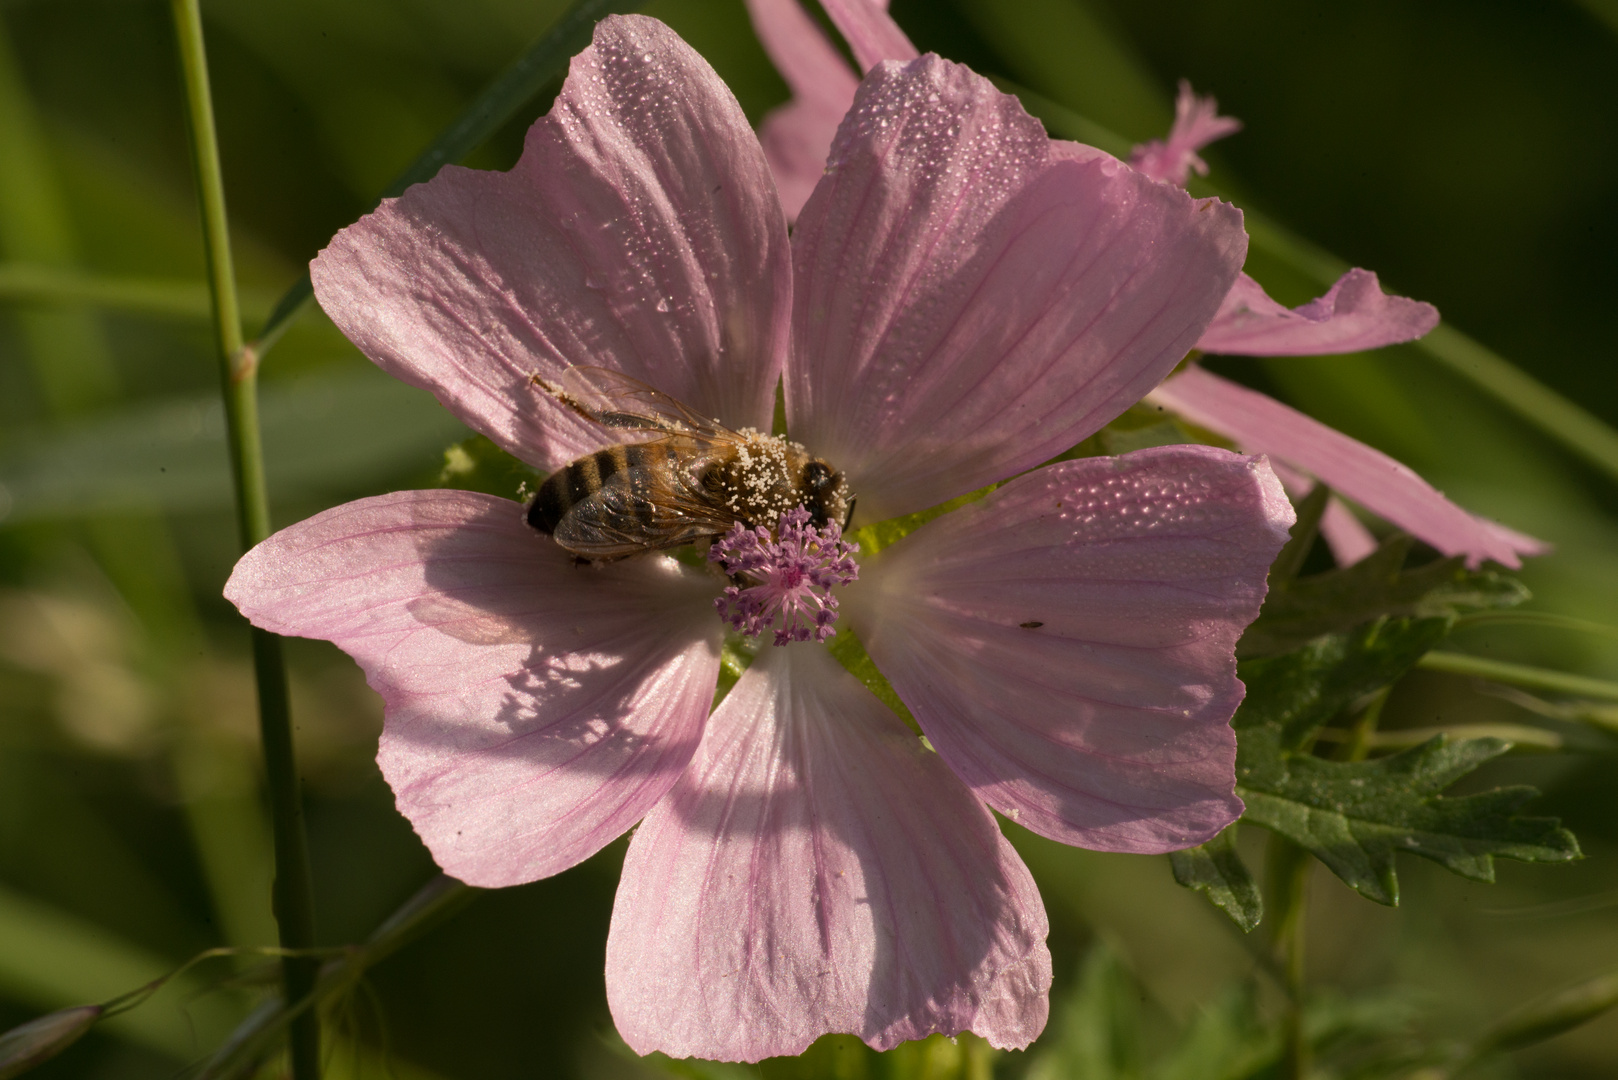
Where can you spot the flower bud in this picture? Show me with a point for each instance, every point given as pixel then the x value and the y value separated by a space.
pixel 36 1042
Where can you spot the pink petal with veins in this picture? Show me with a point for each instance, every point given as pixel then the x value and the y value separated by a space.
pixel 1520 542
pixel 798 135
pixel 640 231
pixel 1349 540
pixel 1369 477
pixel 1196 124
pixel 1354 315
pixel 1067 643
pixel 966 306
pixel 870 31
pixel 534 709
pixel 816 870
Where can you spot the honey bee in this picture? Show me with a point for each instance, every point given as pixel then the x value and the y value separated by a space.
pixel 692 480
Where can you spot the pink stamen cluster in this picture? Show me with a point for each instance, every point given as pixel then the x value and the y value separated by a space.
pixel 791 577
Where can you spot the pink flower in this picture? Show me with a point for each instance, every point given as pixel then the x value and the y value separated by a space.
pixel 1354 315
pixel 797 136
pixel 1196 124
pixel 957 305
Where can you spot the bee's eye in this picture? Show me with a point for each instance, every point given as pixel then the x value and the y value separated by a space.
pixel 817 476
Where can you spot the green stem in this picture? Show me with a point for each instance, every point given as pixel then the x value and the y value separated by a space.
pixel 1287 867
pixel 1578 430
pixel 1358 742
pixel 434 903
pixel 293 896
pixel 1532 678
pixel 1547 619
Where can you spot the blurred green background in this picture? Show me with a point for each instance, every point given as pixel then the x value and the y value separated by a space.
pixel 1466 150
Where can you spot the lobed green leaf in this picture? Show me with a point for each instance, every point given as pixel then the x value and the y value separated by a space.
pixel 1301 609
pixel 1216 869
pixel 1297 693
pixel 1354 816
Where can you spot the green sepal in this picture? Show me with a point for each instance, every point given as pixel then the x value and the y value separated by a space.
pixel 1353 816
pixel 1140 427
pixel 874 537
pixel 477 464
pixel 1298 610
pixel 1216 870
pixel 850 652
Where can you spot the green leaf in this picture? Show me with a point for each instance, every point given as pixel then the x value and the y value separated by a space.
pixel 36 283
pixel 1304 608
pixel 1301 538
pixel 1295 694
pixel 51 959
pixel 1354 816
pixel 1524 675
pixel 254 1038
pixel 1216 870
pixel 1550 1016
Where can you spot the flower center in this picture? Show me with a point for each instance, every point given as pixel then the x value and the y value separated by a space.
pixel 785 582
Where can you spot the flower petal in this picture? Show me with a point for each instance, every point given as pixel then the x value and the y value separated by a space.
pixel 1068 642
pixel 1349 540
pixel 816 870
pixel 969 304
pixel 1354 315
pixel 870 31
pixel 798 135
pixel 535 709
pixel 640 231
pixel 1262 425
pixel 1196 124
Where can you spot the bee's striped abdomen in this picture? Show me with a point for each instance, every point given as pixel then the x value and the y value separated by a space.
pixel 577 481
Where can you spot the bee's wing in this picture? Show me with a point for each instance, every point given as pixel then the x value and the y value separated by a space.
pixel 613 399
pixel 640 507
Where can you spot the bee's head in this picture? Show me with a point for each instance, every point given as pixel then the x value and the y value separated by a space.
pixel 824 493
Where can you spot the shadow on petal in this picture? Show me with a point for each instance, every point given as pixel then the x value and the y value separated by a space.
pixel 817 870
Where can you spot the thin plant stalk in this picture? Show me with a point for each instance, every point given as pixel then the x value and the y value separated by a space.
pixel 1288 867
pixel 1358 743
pixel 293 897
pixel 1523 675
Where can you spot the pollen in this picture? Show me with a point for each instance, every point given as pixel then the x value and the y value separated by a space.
pixel 786 583
pixel 758 483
